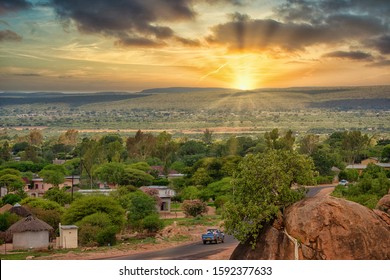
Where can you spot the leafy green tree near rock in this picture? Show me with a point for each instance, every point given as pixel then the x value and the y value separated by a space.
pixel 262 187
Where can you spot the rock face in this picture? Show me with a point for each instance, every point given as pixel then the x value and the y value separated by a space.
pixel 323 228
pixel 384 204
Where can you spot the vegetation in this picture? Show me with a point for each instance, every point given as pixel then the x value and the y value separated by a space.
pixel 262 187
pixel 249 173
pixel 194 208
pixel 371 186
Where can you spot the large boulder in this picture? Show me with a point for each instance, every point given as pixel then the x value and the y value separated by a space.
pixel 322 227
pixel 384 204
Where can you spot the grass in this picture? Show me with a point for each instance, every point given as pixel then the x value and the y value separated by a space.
pixel 190 221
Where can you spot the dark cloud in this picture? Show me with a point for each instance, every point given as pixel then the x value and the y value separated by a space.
pixel 8 35
pixel 317 11
pixel 381 63
pixel 132 22
pixel 381 44
pixel 7 6
pixel 126 41
pixel 354 55
pixel 258 34
pixel 28 75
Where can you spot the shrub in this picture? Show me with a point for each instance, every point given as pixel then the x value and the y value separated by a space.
pixel 194 207
pixel 97 229
pixel 152 223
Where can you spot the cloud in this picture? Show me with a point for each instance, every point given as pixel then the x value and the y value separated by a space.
pixel 132 23
pixel 8 35
pixel 354 55
pixel 382 44
pixel 317 11
pixel 244 33
pixel 7 6
pixel 381 63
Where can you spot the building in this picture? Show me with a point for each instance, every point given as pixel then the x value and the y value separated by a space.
pixel 165 194
pixel 360 167
pixel 30 233
pixel 68 236
pixel 38 187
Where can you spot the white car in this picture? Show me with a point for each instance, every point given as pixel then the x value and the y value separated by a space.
pixel 343 182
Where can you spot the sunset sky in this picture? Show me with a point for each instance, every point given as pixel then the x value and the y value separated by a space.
pixel 128 45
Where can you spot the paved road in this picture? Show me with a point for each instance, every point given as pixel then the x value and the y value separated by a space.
pixel 313 191
pixel 193 251
pixel 197 250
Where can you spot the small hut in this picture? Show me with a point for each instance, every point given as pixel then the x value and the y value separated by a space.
pixel 30 233
pixel 20 210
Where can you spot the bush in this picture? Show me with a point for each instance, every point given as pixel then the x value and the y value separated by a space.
pixel 7 219
pixel 152 223
pixel 220 201
pixel 97 229
pixel 194 207
pixel 324 179
pixel 350 175
pixel 11 198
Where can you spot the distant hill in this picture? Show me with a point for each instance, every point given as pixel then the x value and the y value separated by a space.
pixel 180 90
pixel 214 99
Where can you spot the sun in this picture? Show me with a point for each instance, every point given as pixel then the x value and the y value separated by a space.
pixel 244 82
pixel 245 72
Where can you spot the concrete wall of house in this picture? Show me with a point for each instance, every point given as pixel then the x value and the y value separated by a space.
pixel 31 239
pixel 68 238
pixel 165 205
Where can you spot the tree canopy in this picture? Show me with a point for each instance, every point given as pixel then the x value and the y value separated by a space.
pixel 262 186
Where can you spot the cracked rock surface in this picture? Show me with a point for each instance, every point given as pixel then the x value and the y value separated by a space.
pixel 326 228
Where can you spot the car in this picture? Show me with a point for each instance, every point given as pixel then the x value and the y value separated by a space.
pixel 213 235
pixel 343 182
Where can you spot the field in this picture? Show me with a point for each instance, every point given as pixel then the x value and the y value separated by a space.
pixel 188 111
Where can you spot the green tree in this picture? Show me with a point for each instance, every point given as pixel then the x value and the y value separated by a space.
pixel 136 177
pixel 87 205
pixel 53 174
pixel 7 219
pixel 11 198
pixel 61 196
pixel 262 186
pixel 13 183
pixel 97 229
pixel 111 172
pixel 139 206
pixel 165 149
pixel 386 153
pixel 207 136
pixel 5 151
pixel 354 142
pixel 46 210
pixel 141 146
pixel 309 144
pixel 190 193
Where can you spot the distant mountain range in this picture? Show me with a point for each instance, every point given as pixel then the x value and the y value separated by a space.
pixel 193 98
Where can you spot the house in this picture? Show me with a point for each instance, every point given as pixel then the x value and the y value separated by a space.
pixel 367 161
pixel 30 233
pixel 68 236
pixel 165 194
pixel 162 174
pixel 38 187
pixel 20 210
pixel 360 167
